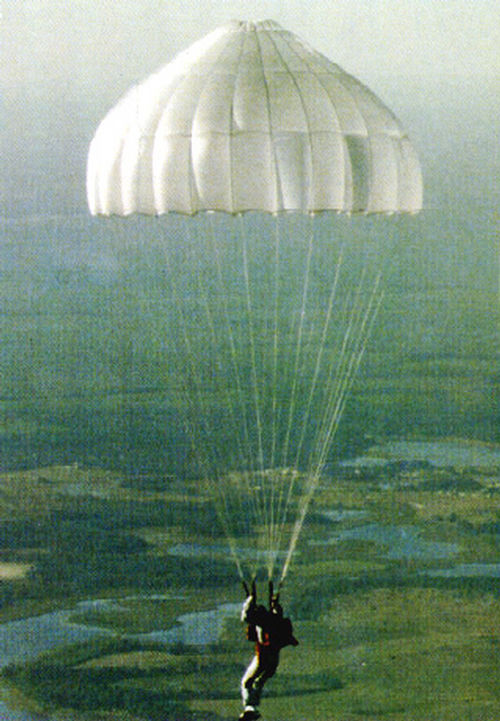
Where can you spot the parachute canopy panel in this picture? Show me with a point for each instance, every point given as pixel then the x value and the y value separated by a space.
pixel 251 118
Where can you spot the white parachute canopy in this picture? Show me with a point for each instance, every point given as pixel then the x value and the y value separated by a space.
pixel 251 118
pixel 265 323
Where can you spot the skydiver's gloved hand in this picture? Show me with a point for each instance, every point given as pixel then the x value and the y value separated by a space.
pixel 250 592
pixel 250 601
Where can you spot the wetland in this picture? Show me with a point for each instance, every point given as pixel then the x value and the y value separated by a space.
pixel 128 606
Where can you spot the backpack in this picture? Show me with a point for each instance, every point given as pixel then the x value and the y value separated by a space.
pixel 283 633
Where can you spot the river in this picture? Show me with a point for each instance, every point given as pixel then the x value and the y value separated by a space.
pixel 26 639
pixel 439 453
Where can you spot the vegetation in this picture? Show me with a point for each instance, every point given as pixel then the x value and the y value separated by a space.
pixel 80 543
pixel 382 634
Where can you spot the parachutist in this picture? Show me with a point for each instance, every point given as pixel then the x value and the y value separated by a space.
pixel 271 632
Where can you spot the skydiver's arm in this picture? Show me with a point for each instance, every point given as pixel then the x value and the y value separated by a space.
pixel 248 607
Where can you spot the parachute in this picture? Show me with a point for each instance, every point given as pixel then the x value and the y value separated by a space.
pixel 264 140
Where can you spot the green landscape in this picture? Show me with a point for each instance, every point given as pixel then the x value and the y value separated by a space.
pixel 104 520
pixel 393 594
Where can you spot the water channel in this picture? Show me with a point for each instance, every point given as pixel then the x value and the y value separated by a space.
pixel 25 639
pixel 397 542
pixel 440 453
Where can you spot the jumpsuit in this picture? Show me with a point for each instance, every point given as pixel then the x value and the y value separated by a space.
pixel 271 632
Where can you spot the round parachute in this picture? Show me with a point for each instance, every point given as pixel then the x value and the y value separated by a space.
pixel 270 322
pixel 250 118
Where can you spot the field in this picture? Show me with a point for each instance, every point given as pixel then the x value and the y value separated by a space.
pixel 393 595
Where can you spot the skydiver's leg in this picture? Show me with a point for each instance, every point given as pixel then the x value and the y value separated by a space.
pixel 267 670
pixel 247 682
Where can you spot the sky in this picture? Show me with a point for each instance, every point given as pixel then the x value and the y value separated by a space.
pixel 82 42
pixel 66 63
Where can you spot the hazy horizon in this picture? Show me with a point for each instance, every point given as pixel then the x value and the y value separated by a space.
pixel 435 65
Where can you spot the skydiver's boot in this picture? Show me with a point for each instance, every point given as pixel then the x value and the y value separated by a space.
pixel 249 714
